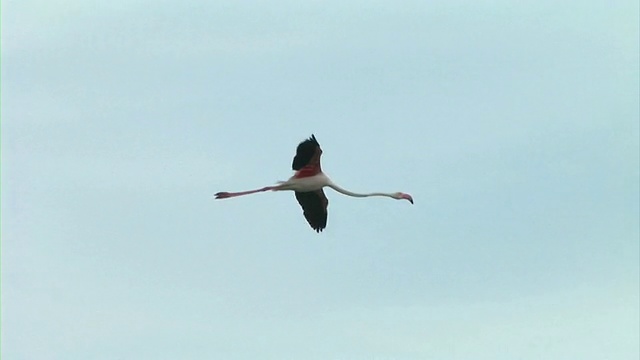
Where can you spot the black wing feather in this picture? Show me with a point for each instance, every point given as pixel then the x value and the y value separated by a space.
pixel 305 152
pixel 314 206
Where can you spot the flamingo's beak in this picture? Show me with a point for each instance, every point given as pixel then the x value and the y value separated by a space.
pixel 407 197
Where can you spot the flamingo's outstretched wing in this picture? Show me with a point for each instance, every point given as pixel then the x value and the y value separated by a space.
pixel 307 157
pixel 314 206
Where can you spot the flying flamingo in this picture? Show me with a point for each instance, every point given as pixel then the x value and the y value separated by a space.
pixel 307 182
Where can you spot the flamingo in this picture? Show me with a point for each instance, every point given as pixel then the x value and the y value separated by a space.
pixel 308 182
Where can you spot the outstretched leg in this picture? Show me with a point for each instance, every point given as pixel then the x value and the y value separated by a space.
pixel 226 195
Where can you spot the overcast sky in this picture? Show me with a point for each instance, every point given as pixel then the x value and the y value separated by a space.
pixel 514 125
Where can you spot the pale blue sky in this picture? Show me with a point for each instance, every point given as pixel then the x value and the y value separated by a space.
pixel 513 124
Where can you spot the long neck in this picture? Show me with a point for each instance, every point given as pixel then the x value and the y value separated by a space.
pixel 350 193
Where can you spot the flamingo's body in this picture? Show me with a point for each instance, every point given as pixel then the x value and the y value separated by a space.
pixel 307 182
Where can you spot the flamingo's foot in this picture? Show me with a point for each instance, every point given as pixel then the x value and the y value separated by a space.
pixel 223 195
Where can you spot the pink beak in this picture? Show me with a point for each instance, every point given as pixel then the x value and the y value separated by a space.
pixel 407 197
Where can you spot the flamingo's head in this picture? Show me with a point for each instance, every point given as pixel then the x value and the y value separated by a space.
pixel 401 196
